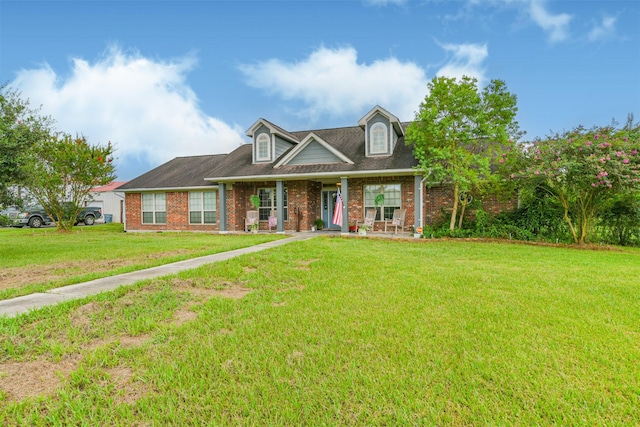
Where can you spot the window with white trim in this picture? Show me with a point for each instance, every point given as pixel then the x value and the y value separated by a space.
pixel 268 203
pixel 392 197
pixel 202 207
pixel 263 147
pixel 378 140
pixel 154 208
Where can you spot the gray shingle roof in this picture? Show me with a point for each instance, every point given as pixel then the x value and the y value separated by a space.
pixel 348 140
pixel 192 171
pixel 178 173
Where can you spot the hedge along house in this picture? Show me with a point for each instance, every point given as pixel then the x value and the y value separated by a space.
pixel 296 176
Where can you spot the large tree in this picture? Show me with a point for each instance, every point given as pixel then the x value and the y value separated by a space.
pixel 462 136
pixel 63 170
pixel 21 129
pixel 585 169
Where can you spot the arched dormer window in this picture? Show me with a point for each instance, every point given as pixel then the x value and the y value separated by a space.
pixel 263 145
pixel 379 139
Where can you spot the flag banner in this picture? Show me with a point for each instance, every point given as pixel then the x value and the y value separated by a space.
pixel 337 211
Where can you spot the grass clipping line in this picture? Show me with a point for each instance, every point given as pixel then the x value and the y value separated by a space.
pixel 20 380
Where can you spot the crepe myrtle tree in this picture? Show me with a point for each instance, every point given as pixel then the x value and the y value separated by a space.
pixel 463 136
pixel 63 170
pixel 584 169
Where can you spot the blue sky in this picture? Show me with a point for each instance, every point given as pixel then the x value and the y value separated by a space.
pixel 161 79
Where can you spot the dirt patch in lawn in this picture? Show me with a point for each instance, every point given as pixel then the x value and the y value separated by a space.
pixel 305 263
pixel 20 380
pixel 40 376
pixel 233 290
pixel 13 277
pixel 20 276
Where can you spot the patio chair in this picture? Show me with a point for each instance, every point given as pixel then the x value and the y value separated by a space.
pixel 252 218
pixel 396 221
pixel 369 219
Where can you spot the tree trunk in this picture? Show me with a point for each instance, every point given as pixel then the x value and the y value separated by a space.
pixel 454 212
pixel 567 218
pixel 464 206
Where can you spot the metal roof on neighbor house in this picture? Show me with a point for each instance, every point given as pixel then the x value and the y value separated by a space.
pixel 109 187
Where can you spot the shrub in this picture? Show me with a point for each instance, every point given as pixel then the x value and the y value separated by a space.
pixel 619 222
pixel 5 221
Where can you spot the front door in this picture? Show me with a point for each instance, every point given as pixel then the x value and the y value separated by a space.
pixel 328 205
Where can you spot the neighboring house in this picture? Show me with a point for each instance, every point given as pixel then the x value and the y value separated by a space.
pixel 296 175
pixel 110 200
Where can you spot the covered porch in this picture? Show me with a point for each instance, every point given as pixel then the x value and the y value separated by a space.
pixel 303 205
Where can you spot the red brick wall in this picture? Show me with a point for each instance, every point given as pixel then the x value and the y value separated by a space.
pixel 133 210
pixel 306 196
pixel 177 214
pixel 439 202
pixel 356 198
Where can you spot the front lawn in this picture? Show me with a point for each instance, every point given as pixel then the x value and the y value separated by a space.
pixel 35 260
pixel 335 331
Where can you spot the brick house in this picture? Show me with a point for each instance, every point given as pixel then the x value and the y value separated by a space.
pixel 296 175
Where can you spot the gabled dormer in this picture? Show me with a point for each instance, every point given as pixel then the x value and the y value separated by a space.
pixel 269 141
pixel 313 150
pixel 382 130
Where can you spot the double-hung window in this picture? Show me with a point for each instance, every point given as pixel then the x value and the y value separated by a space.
pixel 202 207
pixel 387 204
pixel 154 208
pixel 268 203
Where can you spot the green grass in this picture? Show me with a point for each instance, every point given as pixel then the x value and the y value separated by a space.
pixel 47 258
pixel 349 332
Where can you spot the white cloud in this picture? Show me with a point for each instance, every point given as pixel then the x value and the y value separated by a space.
pixel 556 26
pixel 603 31
pixel 144 107
pixel 331 81
pixel 467 60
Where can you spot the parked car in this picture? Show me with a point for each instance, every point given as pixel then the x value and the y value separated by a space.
pixel 36 216
pixel 8 216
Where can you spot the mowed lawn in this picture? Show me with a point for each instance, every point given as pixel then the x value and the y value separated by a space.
pixel 35 260
pixel 342 331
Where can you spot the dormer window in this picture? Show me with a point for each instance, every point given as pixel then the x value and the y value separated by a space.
pixel 263 147
pixel 379 137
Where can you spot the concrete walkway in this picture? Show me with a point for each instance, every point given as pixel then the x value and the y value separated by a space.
pixel 19 305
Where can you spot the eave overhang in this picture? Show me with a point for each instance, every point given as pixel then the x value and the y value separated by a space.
pixel 315 175
pixel 273 129
pixel 395 122
pixel 155 189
